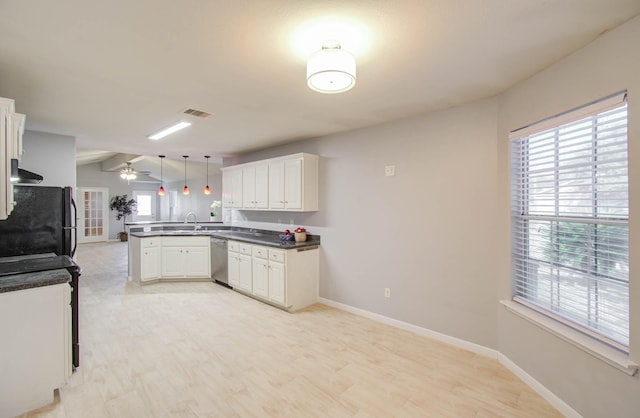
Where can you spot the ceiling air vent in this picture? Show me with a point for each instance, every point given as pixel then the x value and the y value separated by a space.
pixel 197 113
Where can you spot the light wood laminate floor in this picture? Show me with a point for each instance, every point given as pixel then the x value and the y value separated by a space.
pixel 201 350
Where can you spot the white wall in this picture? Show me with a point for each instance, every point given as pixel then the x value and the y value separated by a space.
pixel 426 233
pixel 50 155
pixel 608 65
pixel 90 175
pixel 438 233
pixel 196 201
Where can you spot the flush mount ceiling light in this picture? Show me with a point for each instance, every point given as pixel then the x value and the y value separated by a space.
pixel 128 173
pixel 161 189
pixel 331 70
pixel 171 129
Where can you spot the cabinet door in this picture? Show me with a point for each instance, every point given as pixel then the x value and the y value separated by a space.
pixel 227 194
pixel 277 283
pixel 6 188
pixel 236 188
pixel 172 262
pixel 249 187
pixel 197 262
pixel 234 269
pixel 293 184
pixel 245 273
pixel 232 188
pixel 262 186
pixel 261 278
pixel 150 263
pixel 276 185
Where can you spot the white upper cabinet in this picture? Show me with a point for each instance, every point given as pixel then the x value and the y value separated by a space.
pixel 276 185
pixel 11 131
pixel 288 183
pixel 232 188
pixel 255 186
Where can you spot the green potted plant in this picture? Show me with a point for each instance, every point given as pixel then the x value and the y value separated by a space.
pixel 215 205
pixel 124 208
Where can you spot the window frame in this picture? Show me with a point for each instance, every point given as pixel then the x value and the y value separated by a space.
pixel 519 304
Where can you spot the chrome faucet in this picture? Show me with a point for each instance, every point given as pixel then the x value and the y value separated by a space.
pixel 195 220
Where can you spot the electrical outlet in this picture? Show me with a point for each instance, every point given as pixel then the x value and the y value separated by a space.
pixel 291 222
pixel 387 292
pixel 390 170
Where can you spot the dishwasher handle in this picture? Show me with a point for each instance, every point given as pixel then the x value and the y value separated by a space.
pixel 219 241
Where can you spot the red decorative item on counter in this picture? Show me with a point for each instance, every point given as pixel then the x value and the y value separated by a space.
pixel 300 234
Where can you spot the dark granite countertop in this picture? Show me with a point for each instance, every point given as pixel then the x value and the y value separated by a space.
pixel 30 280
pixel 259 237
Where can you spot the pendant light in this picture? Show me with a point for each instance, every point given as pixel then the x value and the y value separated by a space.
pixel 185 190
pixel 207 190
pixel 161 189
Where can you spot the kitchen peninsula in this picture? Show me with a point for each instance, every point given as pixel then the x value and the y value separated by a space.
pixel 282 273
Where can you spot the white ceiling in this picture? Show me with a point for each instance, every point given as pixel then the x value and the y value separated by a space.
pixel 112 72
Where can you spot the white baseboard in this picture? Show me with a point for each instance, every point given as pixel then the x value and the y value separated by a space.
pixel 457 342
pixel 555 401
pixel 549 396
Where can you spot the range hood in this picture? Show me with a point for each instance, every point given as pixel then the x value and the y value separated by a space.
pixel 21 176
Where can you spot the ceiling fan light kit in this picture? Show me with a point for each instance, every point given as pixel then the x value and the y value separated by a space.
pixel 128 173
pixel 331 70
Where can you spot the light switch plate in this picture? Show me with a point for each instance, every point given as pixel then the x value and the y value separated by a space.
pixel 390 170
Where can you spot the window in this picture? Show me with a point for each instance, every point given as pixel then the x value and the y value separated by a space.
pixel 143 205
pixel 569 214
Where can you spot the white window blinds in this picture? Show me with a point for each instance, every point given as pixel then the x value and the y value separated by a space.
pixel 570 211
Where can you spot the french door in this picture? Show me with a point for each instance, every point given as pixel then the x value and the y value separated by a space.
pixel 93 214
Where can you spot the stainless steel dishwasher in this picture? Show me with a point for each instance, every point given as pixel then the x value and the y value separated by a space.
pixel 219 271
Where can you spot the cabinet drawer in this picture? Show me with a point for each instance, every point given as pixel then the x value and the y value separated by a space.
pixel 260 252
pixel 186 241
pixel 233 246
pixel 277 255
pixel 150 242
pixel 245 249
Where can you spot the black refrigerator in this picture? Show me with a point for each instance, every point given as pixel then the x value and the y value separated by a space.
pixel 40 234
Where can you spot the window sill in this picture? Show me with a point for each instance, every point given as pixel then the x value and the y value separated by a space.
pixel 599 350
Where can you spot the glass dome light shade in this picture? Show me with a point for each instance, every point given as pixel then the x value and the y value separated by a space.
pixel 331 70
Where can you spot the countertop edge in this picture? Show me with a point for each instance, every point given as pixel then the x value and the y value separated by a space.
pixel 25 281
pixel 286 245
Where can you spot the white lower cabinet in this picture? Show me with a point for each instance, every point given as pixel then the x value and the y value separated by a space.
pixel 150 259
pixel 245 273
pixel 233 264
pixel 260 272
pixel 240 266
pixel 35 325
pixel 185 262
pixel 179 257
pixel 276 282
pixel 285 278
